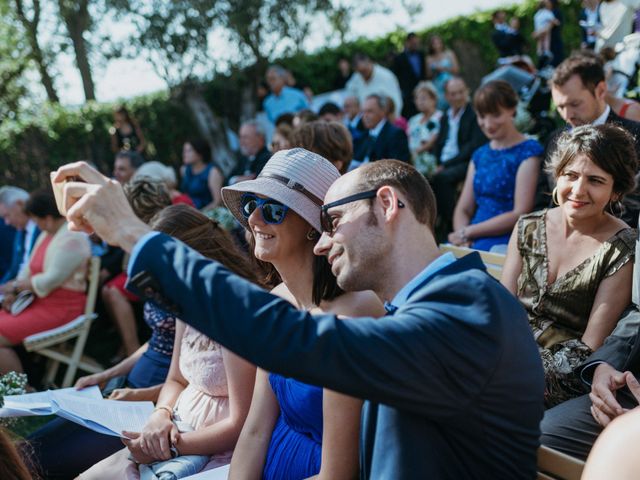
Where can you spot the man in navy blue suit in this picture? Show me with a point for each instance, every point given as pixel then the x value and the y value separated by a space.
pixel 12 202
pixel 384 140
pixel 452 378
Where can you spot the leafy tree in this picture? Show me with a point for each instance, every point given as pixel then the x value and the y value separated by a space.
pixel 13 64
pixel 36 52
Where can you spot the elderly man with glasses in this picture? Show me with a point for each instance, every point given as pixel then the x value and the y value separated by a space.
pixel 452 378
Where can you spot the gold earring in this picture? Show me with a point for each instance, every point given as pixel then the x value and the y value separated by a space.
pixel 615 208
pixel 312 235
pixel 554 196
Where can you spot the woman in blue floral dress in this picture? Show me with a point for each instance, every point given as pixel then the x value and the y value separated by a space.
pixel 502 176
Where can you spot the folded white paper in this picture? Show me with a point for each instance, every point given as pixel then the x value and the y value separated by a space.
pixel 85 407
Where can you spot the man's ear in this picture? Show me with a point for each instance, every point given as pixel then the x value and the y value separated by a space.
pixel 389 200
pixel 600 91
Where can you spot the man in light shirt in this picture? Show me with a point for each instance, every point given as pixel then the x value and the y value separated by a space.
pixel 458 138
pixel 282 99
pixel 372 79
pixel 12 202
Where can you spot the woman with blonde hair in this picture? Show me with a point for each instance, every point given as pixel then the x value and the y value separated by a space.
pixel 424 127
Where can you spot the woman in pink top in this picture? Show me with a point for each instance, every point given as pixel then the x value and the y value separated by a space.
pixel 205 399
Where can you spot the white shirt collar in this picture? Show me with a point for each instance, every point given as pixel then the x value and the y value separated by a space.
pixel 602 119
pixel 457 116
pixel 375 131
pixel 30 227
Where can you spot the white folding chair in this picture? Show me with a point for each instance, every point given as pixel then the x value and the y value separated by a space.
pixel 66 343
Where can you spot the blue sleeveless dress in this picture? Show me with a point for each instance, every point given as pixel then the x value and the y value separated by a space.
pixel 494 184
pixel 296 443
pixel 197 186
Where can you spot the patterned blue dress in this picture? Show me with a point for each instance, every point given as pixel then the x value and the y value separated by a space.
pixel 296 442
pixel 152 368
pixel 494 184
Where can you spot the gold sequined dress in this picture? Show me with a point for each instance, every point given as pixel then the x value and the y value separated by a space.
pixel 559 311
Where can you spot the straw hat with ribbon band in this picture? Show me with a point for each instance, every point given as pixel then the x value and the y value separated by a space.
pixel 296 178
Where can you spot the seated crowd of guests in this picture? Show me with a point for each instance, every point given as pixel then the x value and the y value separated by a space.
pixel 570 265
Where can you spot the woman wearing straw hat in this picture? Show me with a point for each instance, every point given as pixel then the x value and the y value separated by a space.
pixel 288 420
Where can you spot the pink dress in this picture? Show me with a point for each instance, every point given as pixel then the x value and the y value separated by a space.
pixel 204 402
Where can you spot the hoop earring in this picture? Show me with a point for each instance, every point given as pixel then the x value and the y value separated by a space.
pixel 312 235
pixel 554 196
pixel 616 205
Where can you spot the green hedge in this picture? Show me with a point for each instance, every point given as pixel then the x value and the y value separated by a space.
pixel 29 149
pixel 33 146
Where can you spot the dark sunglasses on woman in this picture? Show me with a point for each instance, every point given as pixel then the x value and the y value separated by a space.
pixel 273 212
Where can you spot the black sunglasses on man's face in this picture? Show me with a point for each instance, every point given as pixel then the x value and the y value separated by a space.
pixel 326 221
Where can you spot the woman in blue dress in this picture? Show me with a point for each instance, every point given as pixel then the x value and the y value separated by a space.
pixel 294 430
pixel 442 64
pixel 201 179
pixel 502 176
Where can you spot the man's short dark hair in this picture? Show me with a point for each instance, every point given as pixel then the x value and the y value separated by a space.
pixel 587 67
pixel 360 57
pixel 285 118
pixel 135 159
pixel 407 180
pixel 410 36
pixel 329 108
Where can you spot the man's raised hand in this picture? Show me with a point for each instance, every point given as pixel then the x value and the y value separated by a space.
pixel 95 203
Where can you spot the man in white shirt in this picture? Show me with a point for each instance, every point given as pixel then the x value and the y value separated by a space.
pixel 616 18
pixel 458 138
pixel 370 79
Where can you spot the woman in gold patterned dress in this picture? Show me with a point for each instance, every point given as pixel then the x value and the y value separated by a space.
pixel 571 266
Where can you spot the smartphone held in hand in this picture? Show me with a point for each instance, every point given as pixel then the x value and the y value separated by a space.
pixel 58 191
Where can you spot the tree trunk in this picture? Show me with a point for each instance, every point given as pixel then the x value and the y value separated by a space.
pixel 82 61
pixel 76 19
pixel 38 57
pixel 31 27
pixel 210 127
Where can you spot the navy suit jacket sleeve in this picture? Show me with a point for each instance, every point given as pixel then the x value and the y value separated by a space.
pixel 399 146
pixel 16 258
pixel 422 359
pixel 621 349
